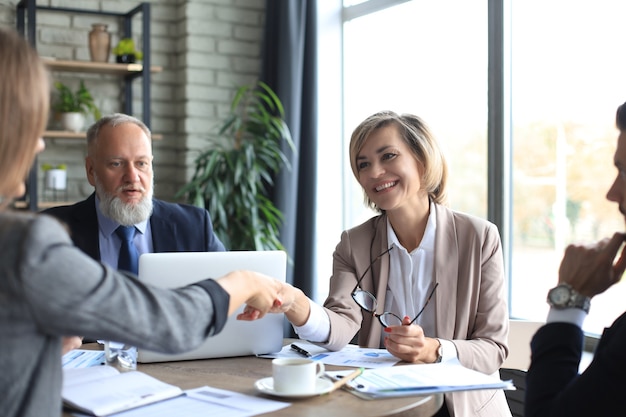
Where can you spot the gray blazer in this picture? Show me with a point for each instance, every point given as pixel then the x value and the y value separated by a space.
pixel 471 308
pixel 49 289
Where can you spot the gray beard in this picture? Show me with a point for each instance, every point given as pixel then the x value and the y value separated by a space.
pixel 125 214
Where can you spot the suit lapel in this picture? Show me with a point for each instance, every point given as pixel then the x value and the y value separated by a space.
pixel 84 227
pixel 446 271
pixel 381 274
pixel 163 230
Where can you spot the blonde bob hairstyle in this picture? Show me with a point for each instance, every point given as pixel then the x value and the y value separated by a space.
pixel 24 106
pixel 418 137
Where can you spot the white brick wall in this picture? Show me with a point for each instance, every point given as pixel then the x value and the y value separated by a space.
pixel 207 48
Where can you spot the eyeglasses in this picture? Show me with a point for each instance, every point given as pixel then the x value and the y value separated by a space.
pixel 367 301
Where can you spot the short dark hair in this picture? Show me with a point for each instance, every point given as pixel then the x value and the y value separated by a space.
pixel 620 117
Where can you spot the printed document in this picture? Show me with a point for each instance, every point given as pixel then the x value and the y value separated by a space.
pixel 408 380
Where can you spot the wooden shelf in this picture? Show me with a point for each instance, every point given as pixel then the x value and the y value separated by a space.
pixel 63 134
pixel 96 67
pixel 42 204
pixel 66 134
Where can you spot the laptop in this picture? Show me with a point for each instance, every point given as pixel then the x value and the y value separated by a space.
pixel 237 338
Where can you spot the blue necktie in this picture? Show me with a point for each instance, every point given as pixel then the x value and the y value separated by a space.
pixel 129 257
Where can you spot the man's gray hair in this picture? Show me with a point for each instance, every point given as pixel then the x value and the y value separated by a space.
pixel 113 120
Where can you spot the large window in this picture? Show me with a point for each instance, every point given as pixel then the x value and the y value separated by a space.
pixel 430 57
pixel 419 58
pixel 566 85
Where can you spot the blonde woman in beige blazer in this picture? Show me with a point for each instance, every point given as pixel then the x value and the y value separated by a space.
pixel 439 271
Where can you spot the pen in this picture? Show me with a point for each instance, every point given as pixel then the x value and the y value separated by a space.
pixel 343 381
pixel 301 351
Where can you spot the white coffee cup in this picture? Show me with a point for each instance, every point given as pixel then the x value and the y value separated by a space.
pixel 295 375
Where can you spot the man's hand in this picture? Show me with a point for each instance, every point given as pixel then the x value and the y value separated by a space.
pixel 590 269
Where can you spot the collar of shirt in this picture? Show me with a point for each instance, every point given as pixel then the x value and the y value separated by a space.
pixel 428 240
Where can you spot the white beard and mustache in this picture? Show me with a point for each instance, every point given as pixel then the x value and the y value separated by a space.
pixel 125 214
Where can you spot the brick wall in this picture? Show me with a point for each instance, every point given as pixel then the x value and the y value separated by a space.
pixel 207 48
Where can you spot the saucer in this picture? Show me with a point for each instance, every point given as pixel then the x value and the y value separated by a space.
pixel 266 386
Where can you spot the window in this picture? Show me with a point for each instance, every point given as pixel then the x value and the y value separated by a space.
pixel 430 58
pixel 416 58
pixel 566 85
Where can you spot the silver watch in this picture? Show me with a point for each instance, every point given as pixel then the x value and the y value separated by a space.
pixel 564 296
pixel 439 352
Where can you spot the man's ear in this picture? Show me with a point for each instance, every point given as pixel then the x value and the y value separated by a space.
pixel 89 170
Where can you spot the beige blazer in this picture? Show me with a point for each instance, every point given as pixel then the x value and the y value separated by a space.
pixel 471 308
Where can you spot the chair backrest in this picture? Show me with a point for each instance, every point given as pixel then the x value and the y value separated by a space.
pixel 516 364
pixel 520 334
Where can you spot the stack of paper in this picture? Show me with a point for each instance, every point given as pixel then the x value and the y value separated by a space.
pixel 408 380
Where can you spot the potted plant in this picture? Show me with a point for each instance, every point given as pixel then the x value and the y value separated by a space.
pixel 125 52
pixel 55 176
pixel 73 106
pixel 233 175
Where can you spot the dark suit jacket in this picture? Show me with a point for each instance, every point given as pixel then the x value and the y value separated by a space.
pixel 553 385
pixel 175 227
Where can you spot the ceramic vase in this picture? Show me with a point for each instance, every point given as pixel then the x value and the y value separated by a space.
pixel 99 43
pixel 73 122
pixel 56 179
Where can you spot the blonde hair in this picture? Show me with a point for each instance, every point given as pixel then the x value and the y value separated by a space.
pixel 420 140
pixel 24 106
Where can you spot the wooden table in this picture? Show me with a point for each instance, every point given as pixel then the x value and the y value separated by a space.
pixel 239 374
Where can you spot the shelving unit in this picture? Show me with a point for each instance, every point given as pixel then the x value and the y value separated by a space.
pixel 97 67
pixel 27 23
pixel 66 134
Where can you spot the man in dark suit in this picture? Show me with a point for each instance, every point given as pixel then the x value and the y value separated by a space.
pixel 119 166
pixel 553 385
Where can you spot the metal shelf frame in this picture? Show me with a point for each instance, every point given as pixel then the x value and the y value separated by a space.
pixel 27 25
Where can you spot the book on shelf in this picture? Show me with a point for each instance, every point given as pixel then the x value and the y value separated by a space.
pixel 422 379
pixel 103 390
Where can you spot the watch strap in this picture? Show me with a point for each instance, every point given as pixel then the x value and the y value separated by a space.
pixel 439 352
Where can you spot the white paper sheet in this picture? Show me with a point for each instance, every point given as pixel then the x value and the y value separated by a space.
pixel 351 355
pixel 207 401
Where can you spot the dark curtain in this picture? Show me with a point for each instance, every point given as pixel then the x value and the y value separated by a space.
pixel 289 67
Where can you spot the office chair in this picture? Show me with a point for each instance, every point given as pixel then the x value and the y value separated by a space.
pixel 516 364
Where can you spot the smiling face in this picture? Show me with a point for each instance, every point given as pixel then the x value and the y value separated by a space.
pixel 119 166
pixel 389 172
pixel 617 192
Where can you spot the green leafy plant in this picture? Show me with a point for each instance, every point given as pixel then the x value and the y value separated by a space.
pixel 233 175
pixel 80 101
pixel 126 46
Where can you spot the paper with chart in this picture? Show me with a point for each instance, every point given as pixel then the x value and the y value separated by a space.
pixel 408 380
pixel 351 355
pixel 83 358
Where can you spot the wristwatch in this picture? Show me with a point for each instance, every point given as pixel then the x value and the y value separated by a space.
pixel 564 296
pixel 439 352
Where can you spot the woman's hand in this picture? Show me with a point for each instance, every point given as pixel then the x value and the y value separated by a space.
pixel 408 342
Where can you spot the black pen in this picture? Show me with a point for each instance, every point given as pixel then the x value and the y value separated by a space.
pixel 301 351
